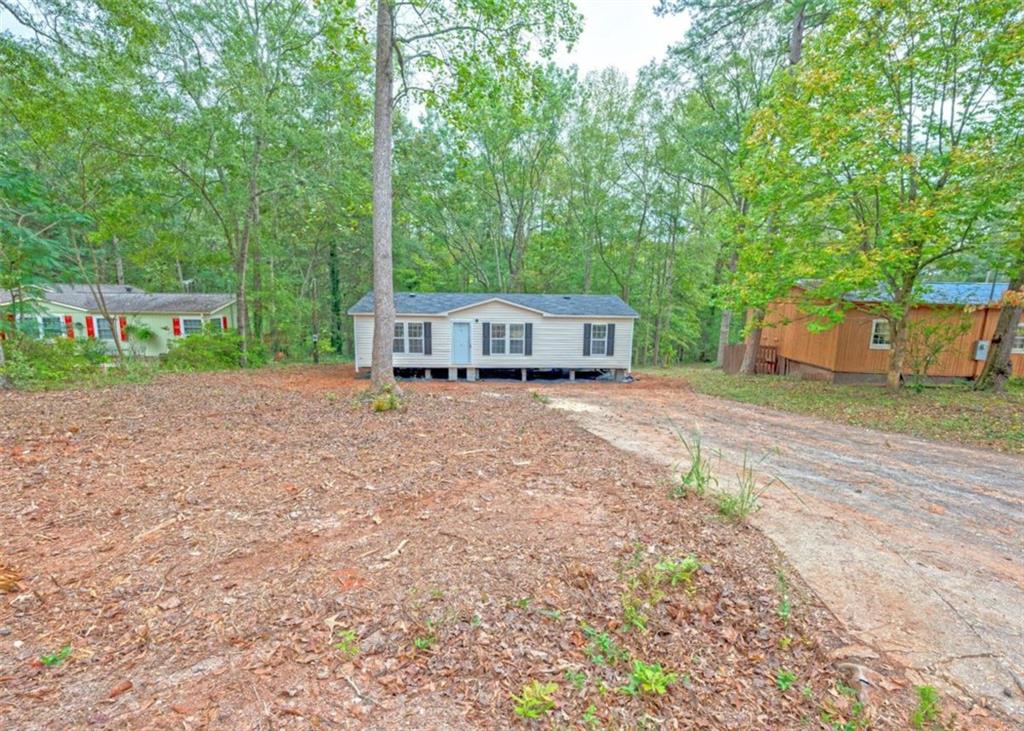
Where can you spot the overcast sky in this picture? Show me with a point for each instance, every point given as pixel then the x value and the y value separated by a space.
pixel 622 33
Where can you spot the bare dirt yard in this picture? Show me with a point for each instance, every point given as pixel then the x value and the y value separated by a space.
pixel 916 545
pixel 259 550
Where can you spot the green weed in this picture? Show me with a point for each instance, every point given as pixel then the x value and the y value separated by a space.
pixel 927 710
pixel 784 679
pixel 785 606
pixel 54 659
pixel 677 572
pixel 348 643
pixel 536 699
pixel 603 649
pixel 633 615
pixel 577 679
pixel 424 642
pixel 698 478
pixel 539 397
pixel 648 679
pixel 589 718
pixel 747 501
pixel 386 400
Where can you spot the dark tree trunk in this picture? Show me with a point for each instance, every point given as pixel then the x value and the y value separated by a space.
pixel 382 364
pixel 334 271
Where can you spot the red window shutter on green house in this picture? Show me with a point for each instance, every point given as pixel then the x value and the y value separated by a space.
pixel 69 327
pixel 176 325
pixel 123 326
pixel 224 323
pixel 90 327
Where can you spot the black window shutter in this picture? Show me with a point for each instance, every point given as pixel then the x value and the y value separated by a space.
pixel 528 347
pixel 586 338
pixel 427 343
pixel 487 338
pixel 611 341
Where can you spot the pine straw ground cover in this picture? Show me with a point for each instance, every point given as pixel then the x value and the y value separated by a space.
pixel 255 550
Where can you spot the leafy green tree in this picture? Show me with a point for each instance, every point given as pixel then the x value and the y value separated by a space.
pixel 875 160
pixel 448 53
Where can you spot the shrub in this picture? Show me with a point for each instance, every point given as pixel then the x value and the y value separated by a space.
pixel 33 363
pixel 385 400
pixel 210 351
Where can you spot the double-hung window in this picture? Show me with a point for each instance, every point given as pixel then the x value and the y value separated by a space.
pixel 398 343
pixel 53 327
pixel 498 334
pixel 414 337
pixel 191 325
pixel 517 338
pixel 1018 339
pixel 599 340
pixel 103 330
pixel 408 337
pixel 28 325
pixel 881 337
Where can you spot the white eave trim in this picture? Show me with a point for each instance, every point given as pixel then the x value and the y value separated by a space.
pixel 549 315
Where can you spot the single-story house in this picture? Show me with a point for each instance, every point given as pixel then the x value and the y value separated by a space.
pixel 858 349
pixel 461 331
pixel 145 322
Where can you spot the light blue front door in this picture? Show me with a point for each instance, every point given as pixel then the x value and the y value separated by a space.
pixel 461 352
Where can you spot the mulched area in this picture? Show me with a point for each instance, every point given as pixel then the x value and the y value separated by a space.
pixel 260 550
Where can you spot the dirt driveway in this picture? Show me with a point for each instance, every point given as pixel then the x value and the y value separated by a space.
pixel 917 546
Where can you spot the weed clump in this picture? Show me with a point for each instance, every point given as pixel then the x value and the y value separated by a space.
pixel 535 699
pixel 698 478
pixel 648 679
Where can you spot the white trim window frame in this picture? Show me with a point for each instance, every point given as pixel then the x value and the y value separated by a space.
pixel 409 338
pixel 104 331
pixel 398 338
pixel 499 338
pixel 414 338
pixel 1018 340
pixel 57 328
pixel 881 335
pixel 196 325
pixel 214 324
pixel 34 331
pixel 599 342
pixel 517 338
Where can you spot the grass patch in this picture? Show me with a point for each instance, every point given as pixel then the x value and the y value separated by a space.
pixel 648 679
pixel 953 412
pixel 698 479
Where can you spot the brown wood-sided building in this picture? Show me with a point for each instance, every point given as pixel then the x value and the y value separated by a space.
pixel 857 350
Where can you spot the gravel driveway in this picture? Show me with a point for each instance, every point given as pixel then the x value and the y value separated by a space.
pixel 917 546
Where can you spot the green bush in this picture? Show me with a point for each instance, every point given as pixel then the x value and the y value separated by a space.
pixel 33 363
pixel 210 351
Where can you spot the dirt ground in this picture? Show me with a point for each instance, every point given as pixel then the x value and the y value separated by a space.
pixel 917 546
pixel 259 550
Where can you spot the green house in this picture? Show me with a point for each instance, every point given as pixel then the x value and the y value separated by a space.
pixel 146 323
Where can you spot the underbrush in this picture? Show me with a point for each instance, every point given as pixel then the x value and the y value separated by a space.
pixel 211 351
pixel 40 364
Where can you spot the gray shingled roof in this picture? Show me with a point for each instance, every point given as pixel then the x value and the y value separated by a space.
pixel 439 303
pixel 944 293
pixel 130 300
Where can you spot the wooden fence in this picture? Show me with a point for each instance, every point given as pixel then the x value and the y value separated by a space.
pixel 768 362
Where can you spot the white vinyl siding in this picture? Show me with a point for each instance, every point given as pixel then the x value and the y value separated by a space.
pixel 1018 340
pixel 557 341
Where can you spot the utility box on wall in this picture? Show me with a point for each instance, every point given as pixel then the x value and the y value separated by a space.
pixel 981 349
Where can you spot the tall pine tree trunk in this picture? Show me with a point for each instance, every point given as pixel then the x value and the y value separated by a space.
pixel 4 382
pixel 382 363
